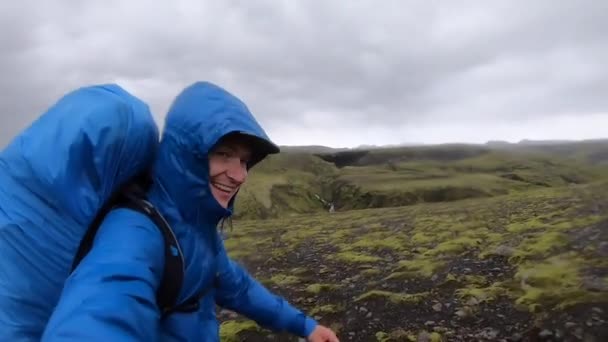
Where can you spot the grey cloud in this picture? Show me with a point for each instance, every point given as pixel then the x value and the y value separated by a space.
pixel 306 66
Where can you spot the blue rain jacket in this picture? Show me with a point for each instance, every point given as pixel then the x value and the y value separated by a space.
pixel 111 295
pixel 54 176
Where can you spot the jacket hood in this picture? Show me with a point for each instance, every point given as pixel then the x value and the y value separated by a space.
pixel 199 117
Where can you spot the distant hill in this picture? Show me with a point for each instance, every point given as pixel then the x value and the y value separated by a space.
pixel 311 149
pixel 311 178
pixel 591 151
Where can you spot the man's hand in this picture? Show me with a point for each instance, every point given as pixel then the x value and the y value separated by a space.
pixel 322 334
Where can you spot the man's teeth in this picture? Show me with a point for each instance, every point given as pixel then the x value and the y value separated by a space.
pixel 223 187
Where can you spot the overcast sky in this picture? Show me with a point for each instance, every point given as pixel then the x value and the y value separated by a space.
pixel 335 73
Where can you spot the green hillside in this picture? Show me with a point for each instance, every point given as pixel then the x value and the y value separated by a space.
pixel 297 182
pixel 284 184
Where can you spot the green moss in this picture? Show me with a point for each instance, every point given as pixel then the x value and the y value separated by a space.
pixel 421 267
pixel 527 225
pixel 578 222
pixel 422 238
pixel 299 270
pixel 339 234
pixel 375 242
pixel 436 337
pixel 230 330
pixel 395 298
pixel 539 245
pixel 381 336
pixel 240 254
pixel 481 294
pixel 318 288
pixel 241 246
pixel 472 279
pixel 370 272
pixel 449 280
pixel 324 309
pixel 396 335
pixel 284 280
pixel 296 235
pixel 553 283
pixel 455 246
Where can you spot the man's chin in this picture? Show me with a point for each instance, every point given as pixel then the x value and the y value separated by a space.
pixel 221 199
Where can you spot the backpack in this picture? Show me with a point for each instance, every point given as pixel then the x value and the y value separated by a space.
pixel 59 177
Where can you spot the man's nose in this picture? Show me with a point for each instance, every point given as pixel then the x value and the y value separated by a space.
pixel 237 171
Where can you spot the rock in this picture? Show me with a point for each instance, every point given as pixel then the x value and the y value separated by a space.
pixel 516 337
pixel 363 309
pixel 595 283
pixel 569 325
pixel 472 301
pixel 578 333
pixel 427 323
pixel 488 334
pixel 545 333
pixel 597 310
pixel 503 250
pixel 437 307
pixel 369 315
pixel 464 312
pixel 440 329
pixel 602 248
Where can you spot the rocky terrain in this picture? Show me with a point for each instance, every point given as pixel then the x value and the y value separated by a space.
pixel 529 263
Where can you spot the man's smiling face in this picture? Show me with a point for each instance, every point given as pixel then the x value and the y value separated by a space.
pixel 228 169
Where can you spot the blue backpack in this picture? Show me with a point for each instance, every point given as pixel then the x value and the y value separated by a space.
pixel 58 179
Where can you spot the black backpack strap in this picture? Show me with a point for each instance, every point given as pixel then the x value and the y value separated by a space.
pixel 87 240
pixel 173 273
pixel 192 304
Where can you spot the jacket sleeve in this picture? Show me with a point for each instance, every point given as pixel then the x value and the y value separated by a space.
pixel 111 296
pixel 240 292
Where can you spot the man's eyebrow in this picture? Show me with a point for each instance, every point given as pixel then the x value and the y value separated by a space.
pixel 226 146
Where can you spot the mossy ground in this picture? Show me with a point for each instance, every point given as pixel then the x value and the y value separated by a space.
pixel 473 269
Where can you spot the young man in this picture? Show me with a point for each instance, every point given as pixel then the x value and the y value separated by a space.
pixel 209 144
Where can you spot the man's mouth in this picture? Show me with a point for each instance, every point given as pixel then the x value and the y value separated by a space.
pixel 224 188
